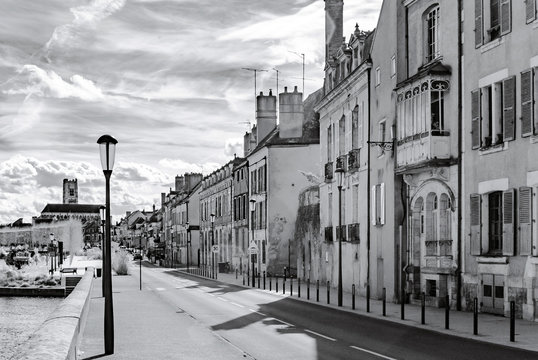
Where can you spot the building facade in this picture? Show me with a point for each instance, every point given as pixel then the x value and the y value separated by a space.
pixel 70 191
pixel 240 216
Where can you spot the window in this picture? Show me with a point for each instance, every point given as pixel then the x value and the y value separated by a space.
pixel 355 128
pixel 393 66
pixel 382 133
pixel 493 19
pixel 329 144
pixel 342 136
pixel 530 11
pixel 432 34
pixel 71 192
pixel 493 114
pixel 529 88
pixel 437 104
pixel 378 204
pixel 377 76
pixel 495 222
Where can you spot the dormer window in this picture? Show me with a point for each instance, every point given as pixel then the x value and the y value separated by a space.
pixel 432 34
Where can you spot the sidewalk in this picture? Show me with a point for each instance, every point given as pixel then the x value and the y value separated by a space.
pixel 491 328
pixel 143 326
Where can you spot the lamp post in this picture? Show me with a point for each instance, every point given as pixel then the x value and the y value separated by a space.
pixel 212 243
pixel 102 214
pixel 188 233
pixel 107 151
pixel 339 178
pixel 51 249
pixel 252 204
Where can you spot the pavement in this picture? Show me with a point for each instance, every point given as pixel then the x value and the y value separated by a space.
pixel 144 323
pixel 491 328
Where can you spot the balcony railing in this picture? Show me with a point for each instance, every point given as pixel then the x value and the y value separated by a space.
pixel 341 162
pixel 439 254
pixel 328 171
pixel 353 160
pixel 329 233
pixel 343 231
pixel 354 232
pixel 423 147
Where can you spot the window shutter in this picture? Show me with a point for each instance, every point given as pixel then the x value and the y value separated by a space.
pixel 429 223
pixel 478 23
pixel 476 238
pixel 475 121
pixel 525 220
pixel 526 103
pixel 508 222
pixel 373 214
pixel 382 201
pixel 506 16
pixel 509 109
pixel 530 10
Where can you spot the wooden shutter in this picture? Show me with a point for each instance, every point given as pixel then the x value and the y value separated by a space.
pixel 509 108
pixel 525 220
pixel 475 119
pixel 478 23
pixel 506 16
pixel 527 121
pixel 530 10
pixel 373 214
pixel 476 238
pixel 382 203
pixel 509 210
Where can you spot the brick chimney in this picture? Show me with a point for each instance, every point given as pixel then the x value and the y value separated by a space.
pixel 334 28
pixel 291 114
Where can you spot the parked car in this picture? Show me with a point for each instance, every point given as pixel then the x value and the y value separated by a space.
pixel 137 256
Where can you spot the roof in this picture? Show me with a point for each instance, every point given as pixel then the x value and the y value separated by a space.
pixel 434 68
pixel 72 208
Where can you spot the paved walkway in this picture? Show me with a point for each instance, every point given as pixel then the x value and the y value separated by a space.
pixel 491 328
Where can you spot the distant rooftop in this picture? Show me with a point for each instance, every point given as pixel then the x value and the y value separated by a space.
pixel 71 208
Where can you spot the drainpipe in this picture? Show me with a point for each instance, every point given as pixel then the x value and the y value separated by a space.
pixel 460 154
pixel 368 200
pixel 407 42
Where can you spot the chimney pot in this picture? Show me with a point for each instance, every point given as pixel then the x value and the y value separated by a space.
pixel 270 92
pixel 295 89
pixel 285 89
pixel 261 93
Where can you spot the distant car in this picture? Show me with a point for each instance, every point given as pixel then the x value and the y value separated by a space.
pixel 137 257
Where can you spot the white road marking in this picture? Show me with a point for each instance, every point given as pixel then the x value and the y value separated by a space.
pixel 257 312
pixel 285 323
pixel 160 289
pixel 236 304
pixel 221 299
pixel 373 353
pixel 320 335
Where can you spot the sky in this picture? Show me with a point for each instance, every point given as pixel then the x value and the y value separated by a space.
pixel 164 77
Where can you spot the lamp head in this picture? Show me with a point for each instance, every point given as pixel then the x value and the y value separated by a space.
pixel 107 151
pixel 102 213
pixel 339 176
pixel 212 217
pixel 51 237
pixel 252 204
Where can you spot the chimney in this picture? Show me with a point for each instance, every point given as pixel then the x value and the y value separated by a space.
pixel 265 115
pixel 191 180
pixel 180 183
pixel 154 208
pixel 291 114
pixel 334 28
pixel 163 199
pixel 127 214
pixel 246 143
pixel 253 138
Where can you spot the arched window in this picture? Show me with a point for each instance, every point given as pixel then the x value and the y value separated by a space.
pixel 444 218
pixel 431 217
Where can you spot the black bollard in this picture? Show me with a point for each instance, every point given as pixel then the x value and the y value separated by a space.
pixel 423 309
pixel 512 321
pixel 308 289
pixel 317 290
pixel 264 280
pixel 248 278
pixel 243 278
pixel 258 281
pixel 353 296
pixel 475 317
pixel 284 283
pixel 236 273
pixel 447 312
pixel 328 293
pixel 291 287
pixel 384 302
pixel 298 287
pixel 367 298
pixel 270 284
pixel 276 286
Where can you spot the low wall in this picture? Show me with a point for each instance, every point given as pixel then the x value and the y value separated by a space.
pixel 59 336
pixel 32 291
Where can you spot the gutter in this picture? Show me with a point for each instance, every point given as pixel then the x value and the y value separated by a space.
pixel 460 155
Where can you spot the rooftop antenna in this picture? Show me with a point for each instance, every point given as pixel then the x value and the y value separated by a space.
pixel 255 71
pixel 302 56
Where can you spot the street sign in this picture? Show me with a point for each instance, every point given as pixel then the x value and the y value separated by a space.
pixel 215 249
pixel 253 248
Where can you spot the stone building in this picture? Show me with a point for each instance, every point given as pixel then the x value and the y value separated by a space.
pixel 240 215
pixel 70 191
pixel 500 165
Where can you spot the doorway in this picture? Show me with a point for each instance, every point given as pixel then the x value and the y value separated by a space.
pixel 493 293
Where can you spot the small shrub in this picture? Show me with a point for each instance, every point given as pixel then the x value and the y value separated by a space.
pixel 120 263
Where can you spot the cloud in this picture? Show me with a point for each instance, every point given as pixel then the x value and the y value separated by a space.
pixel 234 147
pixel 181 166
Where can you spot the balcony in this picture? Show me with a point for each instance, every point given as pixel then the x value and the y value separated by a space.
pixel 341 162
pixel 354 232
pixel 421 149
pixel 329 233
pixel 341 230
pixel 328 171
pixel 353 160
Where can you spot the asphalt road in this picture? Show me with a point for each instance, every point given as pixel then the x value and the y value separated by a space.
pixel 266 325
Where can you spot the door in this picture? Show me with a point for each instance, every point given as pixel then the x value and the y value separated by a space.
pixel 493 293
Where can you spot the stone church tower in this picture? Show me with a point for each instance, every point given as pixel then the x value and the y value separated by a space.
pixel 70 191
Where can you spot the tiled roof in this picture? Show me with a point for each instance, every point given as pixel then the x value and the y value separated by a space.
pixel 71 208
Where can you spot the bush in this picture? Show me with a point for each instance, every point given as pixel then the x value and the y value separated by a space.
pixel 94 254
pixel 120 263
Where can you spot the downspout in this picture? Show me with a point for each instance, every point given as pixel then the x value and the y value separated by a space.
pixel 368 200
pixel 407 42
pixel 460 155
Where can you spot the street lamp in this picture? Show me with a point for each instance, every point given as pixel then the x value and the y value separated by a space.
pixel 252 204
pixel 107 152
pixel 188 233
pixel 339 179
pixel 51 250
pixel 212 243
pixel 102 214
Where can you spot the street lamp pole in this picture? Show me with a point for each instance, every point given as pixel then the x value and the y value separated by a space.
pixel 188 232
pixel 252 204
pixel 340 177
pixel 212 243
pixel 107 150
pixel 51 236
pixel 102 214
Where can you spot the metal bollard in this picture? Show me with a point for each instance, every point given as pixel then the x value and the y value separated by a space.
pixel 423 309
pixel 328 292
pixel 276 286
pixel 284 285
pixel 308 289
pixel 367 298
pixel 384 302
pixel 475 317
pixel 291 287
pixel 447 312
pixel 270 284
pixel 243 278
pixel 299 287
pixel 512 321
pixel 248 278
pixel 317 290
pixel 258 281
pixel 264 280
pixel 236 273
pixel 353 296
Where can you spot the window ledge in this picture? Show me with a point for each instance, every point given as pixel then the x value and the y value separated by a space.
pixel 493 149
pixel 534 139
pixel 492 259
pixel 492 44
